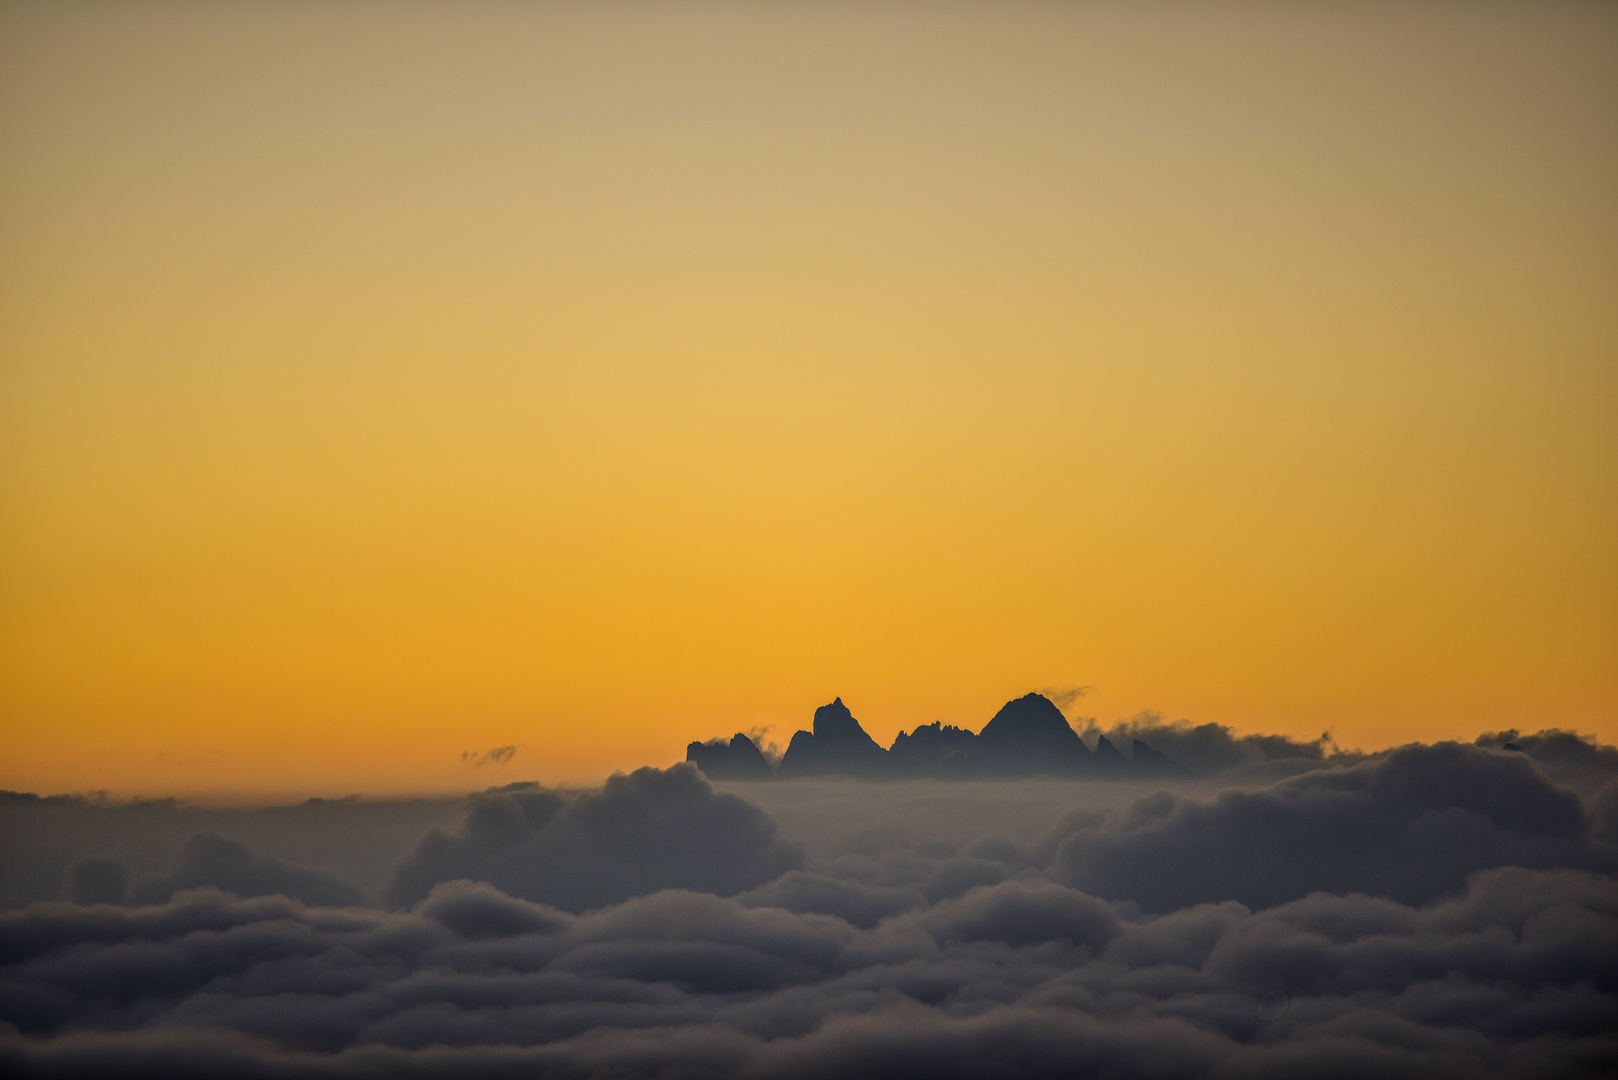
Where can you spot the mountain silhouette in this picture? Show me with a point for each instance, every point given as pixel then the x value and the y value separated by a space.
pixel 1108 760
pixel 837 745
pixel 739 759
pixel 925 751
pixel 1029 736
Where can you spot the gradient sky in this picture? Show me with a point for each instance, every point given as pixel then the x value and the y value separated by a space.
pixel 381 382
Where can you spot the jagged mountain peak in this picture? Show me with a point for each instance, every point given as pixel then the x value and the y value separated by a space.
pixel 835 723
pixel 837 744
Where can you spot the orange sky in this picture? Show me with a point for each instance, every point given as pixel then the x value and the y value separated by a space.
pixel 384 382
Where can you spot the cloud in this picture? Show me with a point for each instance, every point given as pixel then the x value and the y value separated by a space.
pixel 356 841
pixel 1604 812
pixel 1514 975
pixel 1210 749
pixel 1411 826
pixel 479 910
pixel 648 830
pixel 759 736
pixel 97 879
pixel 500 755
pixel 852 901
pixel 1063 696
pixel 209 859
pixel 1442 910
pixel 1566 755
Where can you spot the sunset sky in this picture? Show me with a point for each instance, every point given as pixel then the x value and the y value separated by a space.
pixel 381 383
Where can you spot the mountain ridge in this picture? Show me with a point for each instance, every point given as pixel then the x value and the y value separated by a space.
pixel 1027 737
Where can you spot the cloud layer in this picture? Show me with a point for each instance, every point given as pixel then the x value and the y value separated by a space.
pixel 1441 910
pixel 1515 976
pixel 644 831
pixel 1411 826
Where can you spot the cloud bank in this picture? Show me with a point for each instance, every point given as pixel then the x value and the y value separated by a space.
pixel 1410 827
pixel 648 830
pixel 1447 910
pixel 1515 976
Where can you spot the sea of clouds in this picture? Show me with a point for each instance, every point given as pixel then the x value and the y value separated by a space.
pixel 1445 910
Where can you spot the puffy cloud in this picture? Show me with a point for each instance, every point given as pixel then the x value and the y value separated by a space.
pixel 48 845
pixel 1574 759
pixel 1514 975
pixel 853 901
pixel 479 910
pixel 97 879
pixel 210 859
pixel 648 830
pixel 1604 812
pixel 1437 911
pixel 1210 749
pixel 1024 913
pixel 1411 826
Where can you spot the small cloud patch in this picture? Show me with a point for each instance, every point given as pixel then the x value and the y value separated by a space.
pixel 500 755
pixel 1063 696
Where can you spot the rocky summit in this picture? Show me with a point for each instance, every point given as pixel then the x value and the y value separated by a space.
pixel 837 746
pixel 738 759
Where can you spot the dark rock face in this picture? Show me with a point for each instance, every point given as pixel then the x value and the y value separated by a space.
pixel 650 830
pixel 738 759
pixel 837 746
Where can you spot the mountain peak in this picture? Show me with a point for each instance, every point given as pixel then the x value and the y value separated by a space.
pixel 837 744
pixel 835 722
pixel 1031 717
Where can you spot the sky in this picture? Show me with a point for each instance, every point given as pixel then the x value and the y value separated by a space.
pixel 386 383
